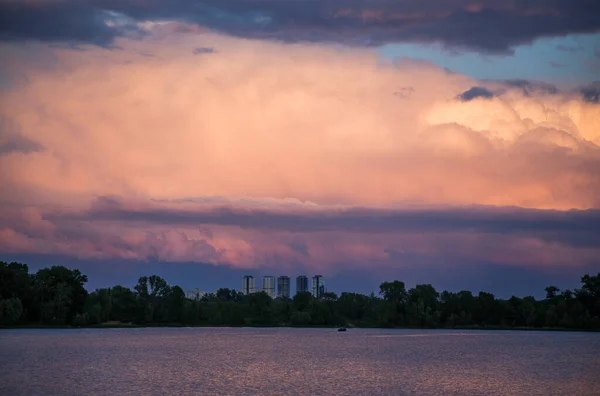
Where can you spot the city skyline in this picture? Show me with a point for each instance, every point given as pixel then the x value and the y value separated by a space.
pixel 503 281
pixel 280 286
pixel 274 287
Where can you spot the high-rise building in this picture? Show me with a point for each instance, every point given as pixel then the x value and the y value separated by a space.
pixel 301 284
pixel 248 285
pixel 283 287
pixel 268 285
pixel 318 286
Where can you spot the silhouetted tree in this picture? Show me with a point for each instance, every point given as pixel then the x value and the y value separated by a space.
pixel 395 302
pixel 59 293
pixel 551 292
pixel 151 291
pixel 56 296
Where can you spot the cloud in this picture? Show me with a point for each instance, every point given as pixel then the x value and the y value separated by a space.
pixel 363 220
pixel 313 124
pixel 486 25
pixel 56 20
pixel 573 229
pixel 11 142
pixel 282 155
pixel 475 92
pixel 325 239
pixel 556 64
pixel 203 50
pixel 533 87
pixel 569 48
pixel 591 92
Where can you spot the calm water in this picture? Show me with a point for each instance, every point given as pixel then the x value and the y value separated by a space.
pixel 211 361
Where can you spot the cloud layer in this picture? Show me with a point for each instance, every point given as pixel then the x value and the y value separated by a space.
pixel 252 153
pixel 488 25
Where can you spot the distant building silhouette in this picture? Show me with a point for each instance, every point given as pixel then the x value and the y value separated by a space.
pixel 301 284
pixel 283 287
pixel 318 286
pixel 194 294
pixel 268 285
pixel 248 285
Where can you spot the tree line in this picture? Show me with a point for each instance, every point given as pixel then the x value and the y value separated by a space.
pixel 57 296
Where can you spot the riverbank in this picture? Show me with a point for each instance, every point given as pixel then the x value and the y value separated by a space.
pixel 118 325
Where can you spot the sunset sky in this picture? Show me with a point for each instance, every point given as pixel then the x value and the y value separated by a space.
pixel 452 142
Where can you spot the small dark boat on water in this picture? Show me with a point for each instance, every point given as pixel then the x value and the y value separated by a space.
pixel 342 329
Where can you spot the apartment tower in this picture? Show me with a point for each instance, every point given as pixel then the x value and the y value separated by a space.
pixel 248 285
pixel 301 284
pixel 318 286
pixel 268 285
pixel 283 287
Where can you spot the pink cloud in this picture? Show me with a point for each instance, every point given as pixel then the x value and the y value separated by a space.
pixel 291 131
pixel 322 239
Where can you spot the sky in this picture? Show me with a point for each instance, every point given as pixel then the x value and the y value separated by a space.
pixel 451 142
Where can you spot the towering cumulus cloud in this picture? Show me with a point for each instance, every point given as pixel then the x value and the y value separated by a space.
pixel 205 147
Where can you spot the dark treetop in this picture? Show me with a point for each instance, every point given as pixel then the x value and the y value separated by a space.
pixel 56 296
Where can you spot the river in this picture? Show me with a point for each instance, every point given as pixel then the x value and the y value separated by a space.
pixel 252 361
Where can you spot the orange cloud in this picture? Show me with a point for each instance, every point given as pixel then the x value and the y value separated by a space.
pixel 312 123
pixel 278 127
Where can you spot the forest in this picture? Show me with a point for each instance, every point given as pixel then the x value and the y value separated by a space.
pixel 57 296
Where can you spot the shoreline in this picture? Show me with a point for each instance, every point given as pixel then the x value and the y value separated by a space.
pixel 167 325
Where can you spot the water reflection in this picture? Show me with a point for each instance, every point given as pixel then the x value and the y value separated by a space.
pixel 211 361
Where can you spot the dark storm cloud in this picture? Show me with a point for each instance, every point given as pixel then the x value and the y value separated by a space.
pixel 18 143
pixel 63 21
pixel 11 140
pixel 476 92
pixel 591 92
pixel 488 25
pixel 530 87
pixel 574 227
